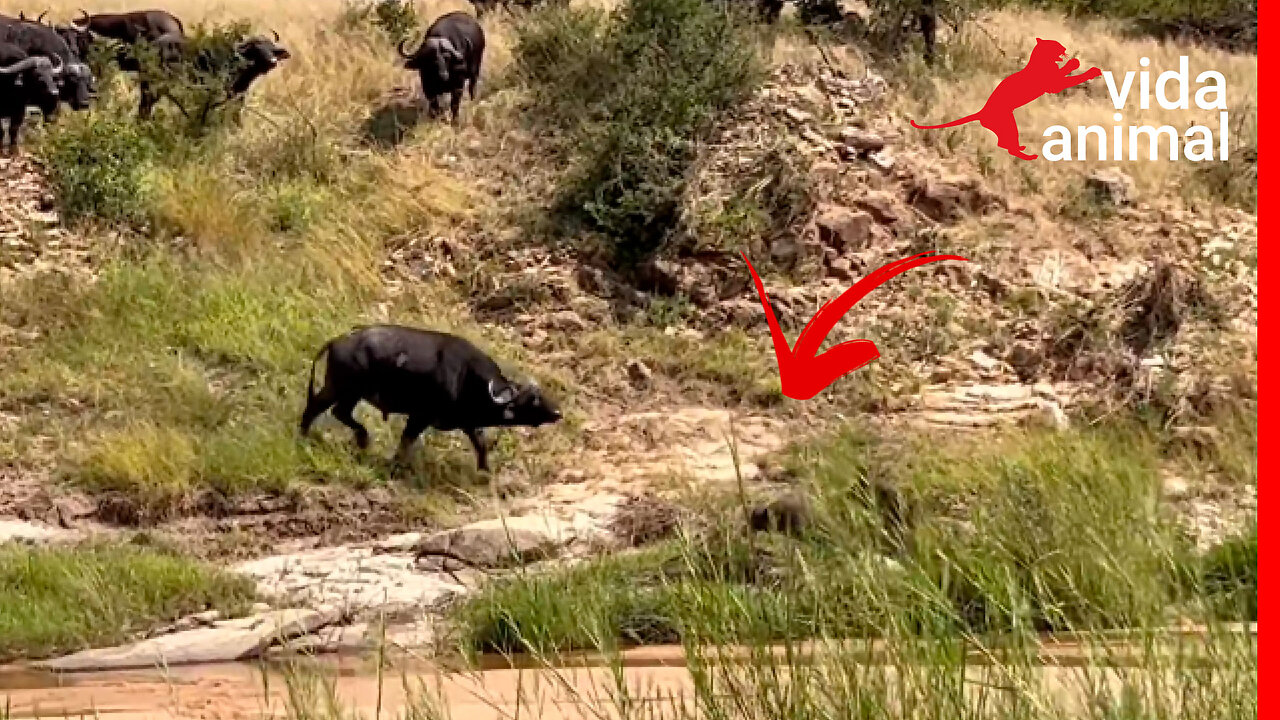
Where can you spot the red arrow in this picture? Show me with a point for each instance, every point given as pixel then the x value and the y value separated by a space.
pixel 804 372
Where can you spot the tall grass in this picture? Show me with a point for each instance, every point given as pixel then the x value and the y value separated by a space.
pixel 65 599
pixel 1042 532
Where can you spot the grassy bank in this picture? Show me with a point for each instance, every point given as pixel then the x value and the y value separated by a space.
pixel 62 600
pixel 1030 532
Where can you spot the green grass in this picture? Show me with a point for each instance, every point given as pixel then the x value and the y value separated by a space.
pixel 1025 533
pixel 56 600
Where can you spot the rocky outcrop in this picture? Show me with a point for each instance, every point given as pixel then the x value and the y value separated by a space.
pixel 224 641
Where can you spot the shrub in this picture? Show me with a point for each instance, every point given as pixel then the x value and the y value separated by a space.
pixel 398 19
pixel 635 92
pixel 97 165
pixel 198 84
pixel 1230 575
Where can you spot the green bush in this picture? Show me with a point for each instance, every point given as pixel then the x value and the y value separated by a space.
pixel 97 164
pixel 197 84
pixel 398 19
pixel 1230 575
pixel 634 93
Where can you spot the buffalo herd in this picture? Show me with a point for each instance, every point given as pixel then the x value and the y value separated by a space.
pixel 44 65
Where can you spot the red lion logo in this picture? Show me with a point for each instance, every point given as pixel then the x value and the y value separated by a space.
pixel 1041 76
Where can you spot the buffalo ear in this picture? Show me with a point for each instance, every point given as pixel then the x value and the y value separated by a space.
pixel 503 395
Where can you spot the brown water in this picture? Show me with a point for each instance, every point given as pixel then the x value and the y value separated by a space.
pixel 582 686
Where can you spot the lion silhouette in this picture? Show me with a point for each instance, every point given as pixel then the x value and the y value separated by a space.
pixel 1041 76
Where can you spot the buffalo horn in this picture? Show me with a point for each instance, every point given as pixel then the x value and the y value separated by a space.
pixel 400 49
pixel 20 66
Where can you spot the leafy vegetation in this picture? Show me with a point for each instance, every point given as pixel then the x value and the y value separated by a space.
pixel 1041 531
pixel 634 92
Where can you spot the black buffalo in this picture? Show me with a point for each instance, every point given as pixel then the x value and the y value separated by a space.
pixel 76 84
pixel 157 27
pixel 254 57
pixel 26 81
pixel 438 380
pixel 448 59
pixel 130 27
pixel 260 56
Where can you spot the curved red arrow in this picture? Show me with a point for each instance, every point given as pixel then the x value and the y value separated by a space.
pixel 803 371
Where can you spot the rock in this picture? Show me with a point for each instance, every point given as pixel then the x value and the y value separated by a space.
pixel 226 641
pixel 1026 359
pixel 1111 185
pixel 842 228
pixel 841 269
pixel 798 116
pixel 1051 414
pixel 593 280
pixel 880 205
pixel 1202 437
pixel 639 374
pixel 661 276
pixel 861 141
pixel 28 532
pixel 946 200
pixel 785 251
pixel 1175 487
pixel 566 321
pixel 882 161
pixel 984 361
pixel 501 543
pixel 329 640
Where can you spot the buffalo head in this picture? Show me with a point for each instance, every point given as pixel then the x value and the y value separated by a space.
pixel 77 86
pixel 38 77
pixel 80 41
pixel 436 57
pixel 523 404
pixel 262 54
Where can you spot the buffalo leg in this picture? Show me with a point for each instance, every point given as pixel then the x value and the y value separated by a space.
pixel 477 438
pixel 15 127
pixel 342 411
pixel 455 102
pixel 316 406
pixel 413 427
pixel 146 100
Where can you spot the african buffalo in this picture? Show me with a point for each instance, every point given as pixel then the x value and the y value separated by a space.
pixel 261 57
pixel 75 83
pixel 26 81
pixel 130 27
pixel 448 59
pixel 438 380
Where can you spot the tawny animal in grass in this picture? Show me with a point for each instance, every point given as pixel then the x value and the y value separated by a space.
pixel 1041 76
pixel 448 60
pixel 438 380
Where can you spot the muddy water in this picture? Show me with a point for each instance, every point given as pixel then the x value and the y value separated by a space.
pixel 242 690
pixel 582 687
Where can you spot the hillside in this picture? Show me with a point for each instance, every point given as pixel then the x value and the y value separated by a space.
pixel 164 289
